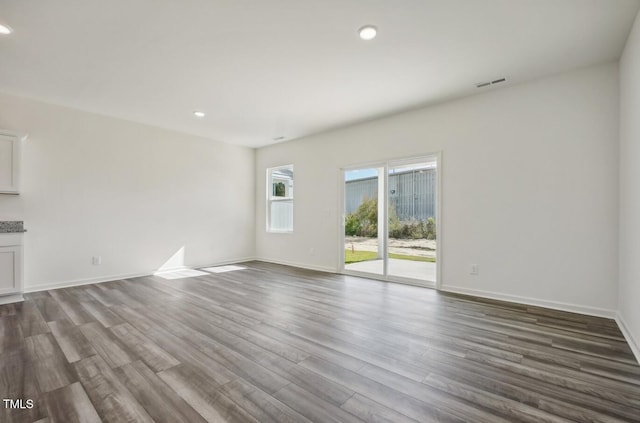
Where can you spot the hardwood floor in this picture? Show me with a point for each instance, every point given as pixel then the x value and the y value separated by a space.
pixel 276 344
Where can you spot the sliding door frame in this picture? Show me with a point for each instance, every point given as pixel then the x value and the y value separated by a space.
pixel 385 239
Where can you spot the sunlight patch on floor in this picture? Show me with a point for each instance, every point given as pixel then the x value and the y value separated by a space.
pixel 179 274
pixel 223 269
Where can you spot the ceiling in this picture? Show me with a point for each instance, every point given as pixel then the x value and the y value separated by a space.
pixel 263 69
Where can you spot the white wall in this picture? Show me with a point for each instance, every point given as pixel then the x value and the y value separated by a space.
pixel 529 188
pixel 629 282
pixel 133 194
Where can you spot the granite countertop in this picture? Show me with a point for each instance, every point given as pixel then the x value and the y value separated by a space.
pixel 11 226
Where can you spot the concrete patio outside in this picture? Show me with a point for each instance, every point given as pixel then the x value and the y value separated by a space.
pixel 420 270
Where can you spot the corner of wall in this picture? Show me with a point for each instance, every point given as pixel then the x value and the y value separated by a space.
pixel 628 278
pixel 254 234
pixel 635 347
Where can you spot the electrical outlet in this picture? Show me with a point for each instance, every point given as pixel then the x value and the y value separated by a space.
pixel 96 260
pixel 312 251
pixel 475 269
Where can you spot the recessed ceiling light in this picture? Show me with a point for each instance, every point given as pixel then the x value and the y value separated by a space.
pixel 199 114
pixel 5 30
pixel 368 32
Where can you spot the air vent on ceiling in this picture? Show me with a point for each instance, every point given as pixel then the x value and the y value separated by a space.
pixel 486 84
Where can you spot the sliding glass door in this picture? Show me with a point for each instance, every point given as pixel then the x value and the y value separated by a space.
pixel 364 229
pixel 412 220
pixel 391 220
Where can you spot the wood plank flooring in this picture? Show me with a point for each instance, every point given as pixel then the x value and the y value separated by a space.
pixel 271 343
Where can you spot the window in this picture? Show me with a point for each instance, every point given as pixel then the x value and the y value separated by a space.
pixel 280 199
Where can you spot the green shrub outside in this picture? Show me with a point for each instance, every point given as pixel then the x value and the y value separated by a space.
pixel 364 222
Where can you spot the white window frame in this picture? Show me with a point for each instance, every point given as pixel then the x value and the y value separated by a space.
pixel 289 198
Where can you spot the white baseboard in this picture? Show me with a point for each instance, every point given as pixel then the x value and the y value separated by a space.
pixel 298 265
pixel 572 308
pixel 8 299
pixel 635 346
pixel 79 282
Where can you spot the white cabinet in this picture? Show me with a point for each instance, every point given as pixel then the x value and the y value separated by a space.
pixel 10 145
pixel 10 258
pixel 10 268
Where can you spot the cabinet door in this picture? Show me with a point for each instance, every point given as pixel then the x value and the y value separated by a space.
pixel 10 269
pixel 9 164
